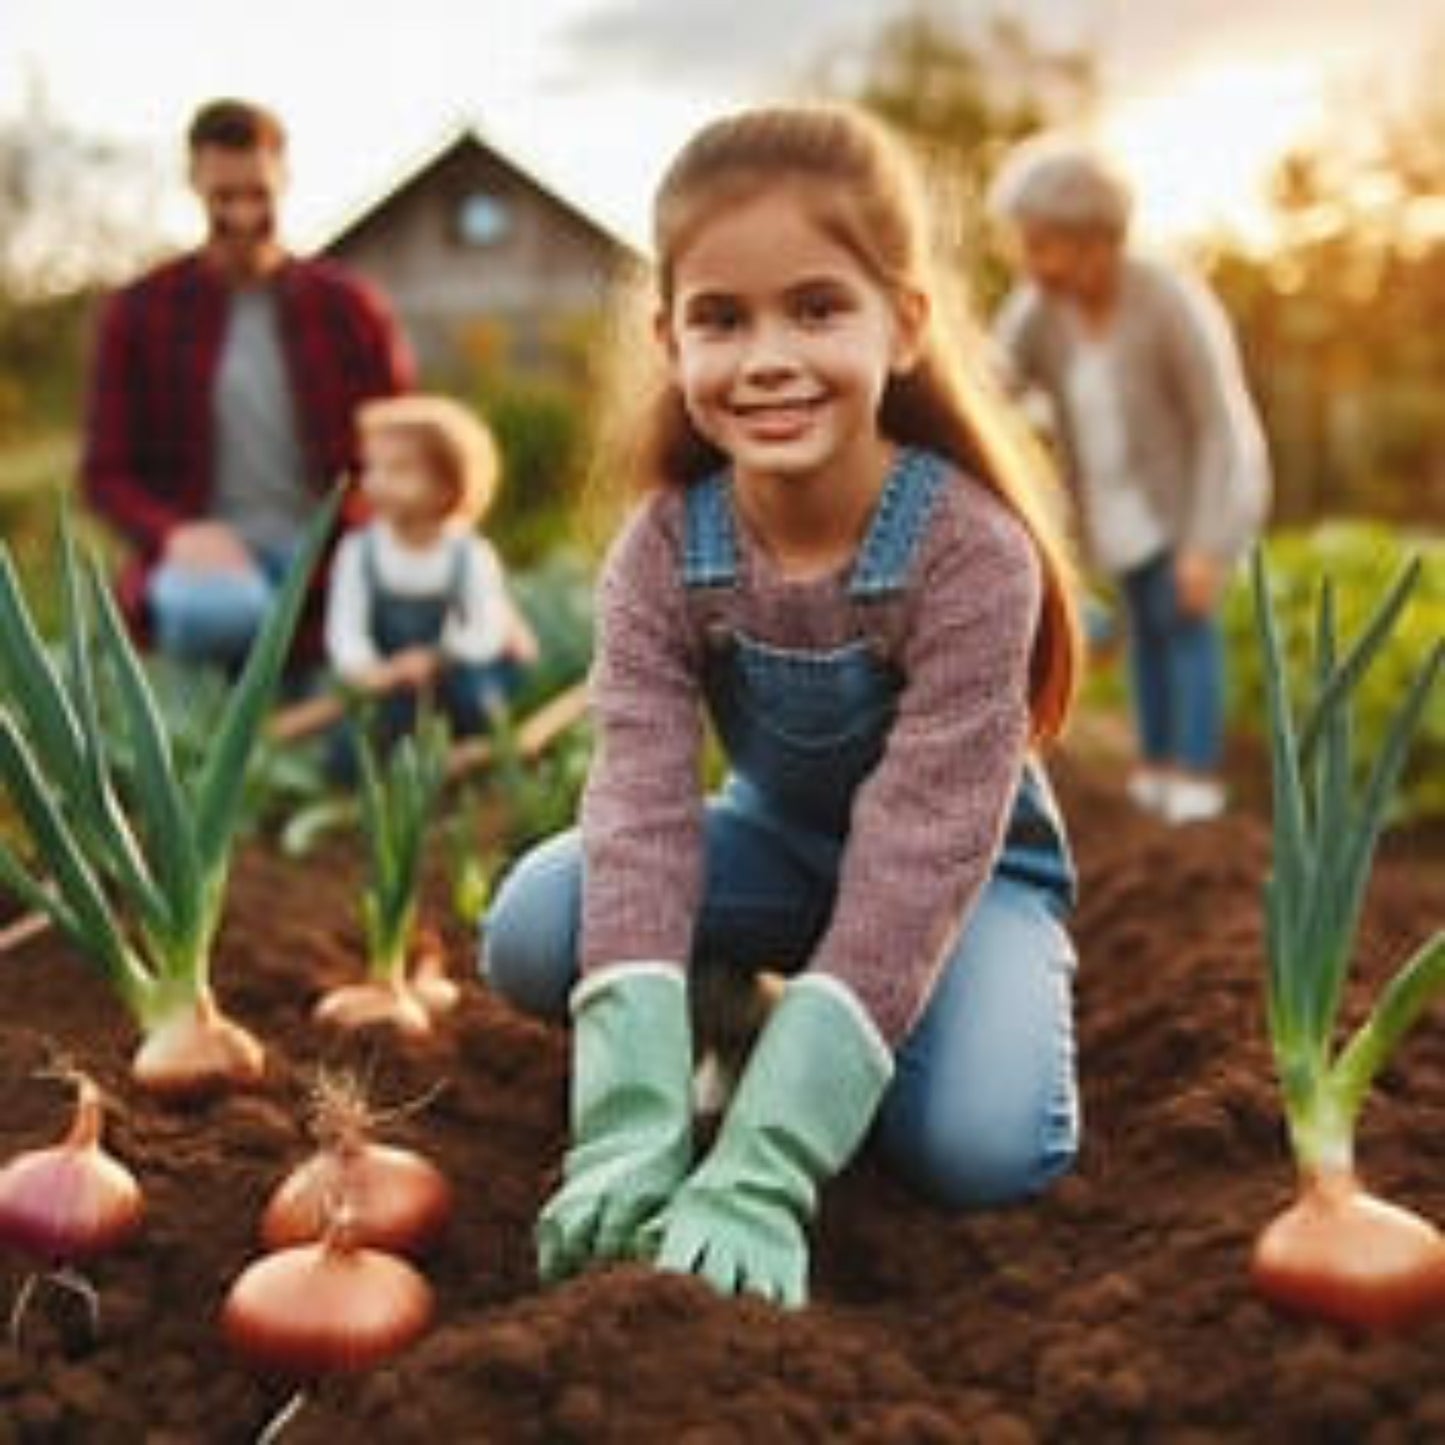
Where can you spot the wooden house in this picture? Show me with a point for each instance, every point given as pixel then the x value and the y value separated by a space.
pixel 485 264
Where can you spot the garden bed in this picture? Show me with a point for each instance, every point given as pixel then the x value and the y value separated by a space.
pixel 1117 1309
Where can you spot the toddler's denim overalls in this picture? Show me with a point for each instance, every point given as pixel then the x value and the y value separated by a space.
pixel 469 693
pixel 983 1107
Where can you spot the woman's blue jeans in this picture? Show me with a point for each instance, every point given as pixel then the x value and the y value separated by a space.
pixel 1176 665
pixel 983 1108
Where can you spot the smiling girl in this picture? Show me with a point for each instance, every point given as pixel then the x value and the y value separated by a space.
pixel 841 564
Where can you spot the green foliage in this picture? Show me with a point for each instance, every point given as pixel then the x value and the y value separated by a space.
pixel 963 95
pixel 399 792
pixel 472 866
pixel 539 796
pixel 135 858
pixel 191 701
pixel 34 477
pixel 1361 559
pixel 43 346
pixel 539 432
pixel 557 598
pixel 1330 799
pixel 1335 319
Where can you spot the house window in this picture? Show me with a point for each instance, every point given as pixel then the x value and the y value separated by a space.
pixel 483 219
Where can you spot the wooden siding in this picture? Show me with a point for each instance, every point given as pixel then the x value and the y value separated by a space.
pixel 538 282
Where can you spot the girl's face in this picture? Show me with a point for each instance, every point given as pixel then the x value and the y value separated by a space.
pixel 398 482
pixel 781 342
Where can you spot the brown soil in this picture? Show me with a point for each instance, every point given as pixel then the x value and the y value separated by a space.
pixel 1116 1309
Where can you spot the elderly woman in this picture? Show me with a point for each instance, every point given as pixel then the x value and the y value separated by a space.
pixel 1159 439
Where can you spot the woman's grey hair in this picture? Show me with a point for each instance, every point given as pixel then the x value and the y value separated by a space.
pixel 1051 181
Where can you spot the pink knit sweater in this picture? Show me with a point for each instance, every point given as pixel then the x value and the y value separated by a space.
pixel 928 822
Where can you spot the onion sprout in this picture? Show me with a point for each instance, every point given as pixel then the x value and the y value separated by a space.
pixel 1328 814
pixel 398 797
pixel 137 855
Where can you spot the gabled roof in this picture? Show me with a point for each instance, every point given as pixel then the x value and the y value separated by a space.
pixel 459 140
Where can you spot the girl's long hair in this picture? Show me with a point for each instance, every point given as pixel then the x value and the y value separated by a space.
pixel 863 190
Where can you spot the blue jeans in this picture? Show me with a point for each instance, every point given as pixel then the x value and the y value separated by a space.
pixel 983 1108
pixel 1176 665
pixel 213 617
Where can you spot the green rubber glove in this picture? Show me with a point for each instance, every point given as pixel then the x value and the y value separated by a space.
pixel 805 1102
pixel 631 1115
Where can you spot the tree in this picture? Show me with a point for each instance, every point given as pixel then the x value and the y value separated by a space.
pixel 75 210
pixel 963 101
pixel 1342 318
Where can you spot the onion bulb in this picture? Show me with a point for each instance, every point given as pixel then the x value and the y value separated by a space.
pixel 395 1199
pixel 323 1308
pixel 439 993
pixel 69 1202
pixel 389 1003
pixel 197 1052
pixel 1344 1255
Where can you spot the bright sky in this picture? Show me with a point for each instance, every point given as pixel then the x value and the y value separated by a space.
pixel 594 95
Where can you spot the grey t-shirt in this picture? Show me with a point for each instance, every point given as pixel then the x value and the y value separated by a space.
pixel 260 466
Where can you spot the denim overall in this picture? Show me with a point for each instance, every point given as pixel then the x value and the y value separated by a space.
pixel 983 1105
pixel 469 693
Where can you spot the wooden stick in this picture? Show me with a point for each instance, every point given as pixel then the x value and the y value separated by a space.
pixel 302 719
pixel 536 733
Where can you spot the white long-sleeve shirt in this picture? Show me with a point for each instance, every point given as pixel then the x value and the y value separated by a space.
pixel 475 631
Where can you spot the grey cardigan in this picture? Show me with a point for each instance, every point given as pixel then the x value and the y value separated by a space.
pixel 1193 435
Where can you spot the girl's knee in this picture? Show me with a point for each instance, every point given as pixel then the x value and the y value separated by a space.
pixel 529 935
pixel 987 1169
pixel 984 1162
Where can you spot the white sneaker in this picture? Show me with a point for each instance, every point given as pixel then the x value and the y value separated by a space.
pixel 1148 790
pixel 1191 800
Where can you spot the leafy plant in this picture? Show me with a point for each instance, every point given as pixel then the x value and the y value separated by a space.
pixel 1361 558
pixel 398 796
pixel 557 597
pixel 538 795
pixel 1338 1250
pixel 472 866
pixel 191 702
pixel 136 859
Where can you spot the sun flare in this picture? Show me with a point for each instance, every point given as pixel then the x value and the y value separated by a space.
pixel 1200 152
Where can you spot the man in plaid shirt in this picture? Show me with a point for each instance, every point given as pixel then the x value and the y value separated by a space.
pixel 222 399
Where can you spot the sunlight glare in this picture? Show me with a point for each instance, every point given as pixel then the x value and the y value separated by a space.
pixel 1200 152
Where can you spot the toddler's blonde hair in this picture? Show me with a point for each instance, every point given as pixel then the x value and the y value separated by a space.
pixel 455 443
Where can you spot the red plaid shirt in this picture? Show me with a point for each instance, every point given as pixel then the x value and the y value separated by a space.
pixel 148 459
